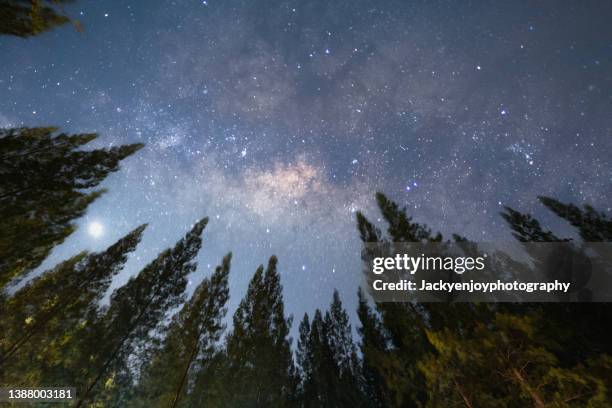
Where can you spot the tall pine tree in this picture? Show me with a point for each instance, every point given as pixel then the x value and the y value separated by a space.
pixel 189 345
pixel 41 194
pixel 327 360
pixel 340 340
pixel 51 306
pixel 259 348
pixel 319 374
pixel 373 347
pixel 592 225
pixel 580 329
pixel 135 310
pixel 405 323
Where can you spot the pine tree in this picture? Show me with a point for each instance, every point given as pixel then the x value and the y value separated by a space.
pixel 327 360
pixel 135 310
pixel 258 348
pixel 340 340
pixel 525 228
pixel 405 323
pixel 401 228
pixel 486 355
pixel 26 18
pixel 507 362
pixel 189 346
pixel 373 346
pixel 41 191
pixel 321 375
pixel 52 305
pixel 303 355
pixel 456 376
pixel 592 225
pixel 14 317
pixel 210 387
pixel 579 328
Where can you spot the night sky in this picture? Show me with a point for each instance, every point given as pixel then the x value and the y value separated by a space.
pixel 279 120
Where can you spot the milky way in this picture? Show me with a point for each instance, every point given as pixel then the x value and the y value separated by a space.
pixel 279 120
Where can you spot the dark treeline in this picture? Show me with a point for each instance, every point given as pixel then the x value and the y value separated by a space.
pixel 487 355
pixel 134 352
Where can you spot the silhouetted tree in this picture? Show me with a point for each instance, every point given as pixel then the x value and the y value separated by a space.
pixel 42 314
pixel 525 228
pixel 327 360
pixel 319 374
pixel 259 348
pixel 41 194
pixel 592 225
pixel 210 387
pixel 26 18
pixel 135 310
pixel 373 346
pixel 486 355
pixel 580 329
pixel 344 353
pixel 188 347
pixel 405 323
pixel 303 356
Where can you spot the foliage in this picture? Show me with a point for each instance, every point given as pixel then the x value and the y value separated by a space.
pixel 506 355
pixel 47 311
pixel 27 18
pixel 259 360
pixel 41 194
pixel 189 345
pixel 326 355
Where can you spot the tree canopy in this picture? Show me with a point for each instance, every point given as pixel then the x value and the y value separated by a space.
pixel 47 183
pixel 27 18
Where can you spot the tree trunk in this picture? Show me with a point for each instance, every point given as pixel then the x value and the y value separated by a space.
pixel 465 398
pixel 192 356
pixel 537 400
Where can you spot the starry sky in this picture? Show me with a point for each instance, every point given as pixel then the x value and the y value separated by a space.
pixel 280 119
